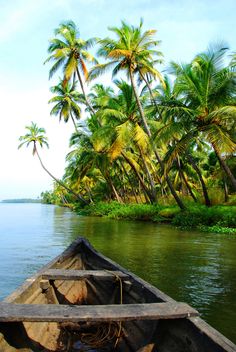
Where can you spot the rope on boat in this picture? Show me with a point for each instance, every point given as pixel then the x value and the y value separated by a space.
pixel 104 332
pixel 121 302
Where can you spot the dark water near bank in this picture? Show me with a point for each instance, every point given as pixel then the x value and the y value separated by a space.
pixel 196 268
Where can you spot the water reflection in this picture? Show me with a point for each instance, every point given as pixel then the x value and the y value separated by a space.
pixel 192 267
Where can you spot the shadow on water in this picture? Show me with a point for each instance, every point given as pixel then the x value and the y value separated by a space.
pixel 189 266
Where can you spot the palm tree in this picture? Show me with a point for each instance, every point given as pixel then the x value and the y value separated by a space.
pixel 128 131
pixel 88 155
pixel 133 52
pixel 36 135
pixel 208 88
pixel 69 51
pixel 66 102
pixel 173 130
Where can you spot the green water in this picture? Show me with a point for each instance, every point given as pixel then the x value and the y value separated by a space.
pixel 193 267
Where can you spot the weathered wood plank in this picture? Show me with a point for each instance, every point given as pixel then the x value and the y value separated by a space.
pixel 64 313
pixel 60 274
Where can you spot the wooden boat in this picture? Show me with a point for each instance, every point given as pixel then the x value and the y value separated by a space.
pixel 82 301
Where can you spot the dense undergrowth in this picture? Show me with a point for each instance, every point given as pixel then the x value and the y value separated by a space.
pixel 218 219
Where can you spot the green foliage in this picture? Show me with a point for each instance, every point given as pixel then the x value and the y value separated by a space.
pixel 169 212
pixel 216 195
pixel 116 210
pixel 232 199
pixel 174 142
pixel 218 229
pixel 143 212
pixel 221 216
pixel 218 219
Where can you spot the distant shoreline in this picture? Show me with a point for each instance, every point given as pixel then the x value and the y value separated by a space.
pixel 21 200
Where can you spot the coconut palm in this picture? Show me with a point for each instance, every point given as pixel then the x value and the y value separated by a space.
pixel 36 135
pixel 172 129
pixel 69 51
pixel 88 154
pixel 66 102
pixel 208 88
pixel 132 51
pixel 129 133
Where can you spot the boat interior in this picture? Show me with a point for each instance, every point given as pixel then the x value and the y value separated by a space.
pixel 109 285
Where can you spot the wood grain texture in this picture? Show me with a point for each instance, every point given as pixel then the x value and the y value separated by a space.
pixel 60 274
pixel 65 313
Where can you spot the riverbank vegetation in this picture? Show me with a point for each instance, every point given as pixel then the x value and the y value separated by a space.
pixel 221 219
pixel 160 140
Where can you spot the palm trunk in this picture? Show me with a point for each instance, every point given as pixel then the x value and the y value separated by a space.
pixel 186 182
pixel 58 181
pixel 83 91
pixel 112 186
pixel 145 190
pixel 73 120
pixel 152 185
pixel 225 168
pixel 146 127
pixel 89 193
pixel 128 178
pixel 204 188
pixel 226 192
pixel 149 89
pixel 151 95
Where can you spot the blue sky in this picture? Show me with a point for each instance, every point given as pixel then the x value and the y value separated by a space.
pixel 184 27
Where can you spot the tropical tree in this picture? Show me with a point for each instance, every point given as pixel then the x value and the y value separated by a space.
pixel 208 88
pixel 129 133
pixel 171 128
pixel 66 102
pixel 88 154
pixel 133 51
pixel 69 51
pixel 36 135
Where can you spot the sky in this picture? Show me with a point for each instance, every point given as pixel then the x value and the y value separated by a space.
pixel 184 27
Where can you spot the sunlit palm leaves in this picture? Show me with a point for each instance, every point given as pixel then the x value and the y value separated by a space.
pixel 65 101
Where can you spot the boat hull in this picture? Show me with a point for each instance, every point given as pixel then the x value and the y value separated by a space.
pixel 82 277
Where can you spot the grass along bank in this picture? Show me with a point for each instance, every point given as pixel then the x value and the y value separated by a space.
pixel 219 218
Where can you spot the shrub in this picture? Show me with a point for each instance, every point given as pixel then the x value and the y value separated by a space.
pixel 134 212
pixel 218 229
pixel 169 212
pixel 219 218
pixel 218 215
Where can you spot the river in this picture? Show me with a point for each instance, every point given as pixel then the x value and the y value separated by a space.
pixel 192 267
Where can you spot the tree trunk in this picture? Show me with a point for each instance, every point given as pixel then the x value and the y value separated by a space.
pixel 127 175
pixel 146 191
pixel 83 91
pixel 152 185
pixel 204 188
pixel 146 127
pixel 186 182
pixel 226 191
pixel 73 120
pixel 111 184
pixel 58 181
pixel 225 168
pixel 149 89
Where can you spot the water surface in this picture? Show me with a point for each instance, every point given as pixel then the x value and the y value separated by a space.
pixel 193 267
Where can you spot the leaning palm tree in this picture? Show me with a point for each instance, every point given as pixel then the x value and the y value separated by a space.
pixel 209 88
pixel 133 51
pixel 66 102
pixel 69 51
pixel 36 135
pixel 88 156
